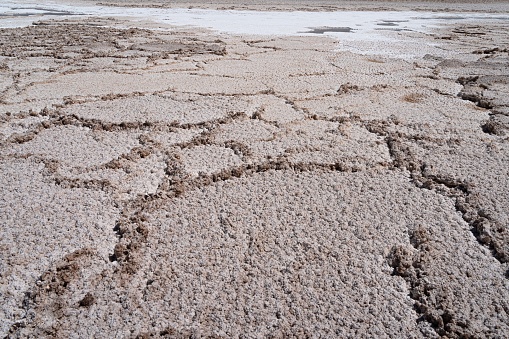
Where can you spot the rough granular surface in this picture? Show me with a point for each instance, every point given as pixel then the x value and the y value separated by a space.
pixel 181 183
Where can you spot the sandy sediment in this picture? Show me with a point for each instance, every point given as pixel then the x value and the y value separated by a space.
pixel 185 184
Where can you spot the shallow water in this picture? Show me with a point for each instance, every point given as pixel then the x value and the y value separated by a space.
pixel 322 30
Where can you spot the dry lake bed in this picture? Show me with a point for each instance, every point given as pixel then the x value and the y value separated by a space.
pixel 252 171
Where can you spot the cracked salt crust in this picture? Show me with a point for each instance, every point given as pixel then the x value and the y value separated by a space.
pixel 299 191
pixel 274 109
pixel 245 131
pixel 472 159
pixel 5 82
pixel 410 106
pixel 135 178
pixel 94 84
pixel 22 108
pixel 323 143
pixel 262 231
pixel 208 159
pixel 60 143
pixel 168 139
pixel 19 126
pixel 53 221
pixel 166 108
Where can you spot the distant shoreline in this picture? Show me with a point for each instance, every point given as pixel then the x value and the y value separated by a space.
pixel 495 6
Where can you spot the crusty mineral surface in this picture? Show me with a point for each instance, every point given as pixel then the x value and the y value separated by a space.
pixel 181 183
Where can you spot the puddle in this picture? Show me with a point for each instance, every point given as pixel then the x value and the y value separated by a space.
pixel 386 24
pixel 394 29
pixel 44 10
pixel 19 12
pixel 476 17
pixel 322 30
pixel 37 13
pixel 449 17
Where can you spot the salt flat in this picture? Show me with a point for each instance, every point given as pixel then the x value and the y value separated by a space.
pixel 180 179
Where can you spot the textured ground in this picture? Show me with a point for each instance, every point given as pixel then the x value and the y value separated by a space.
pixel 319 5
pixel 183 184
